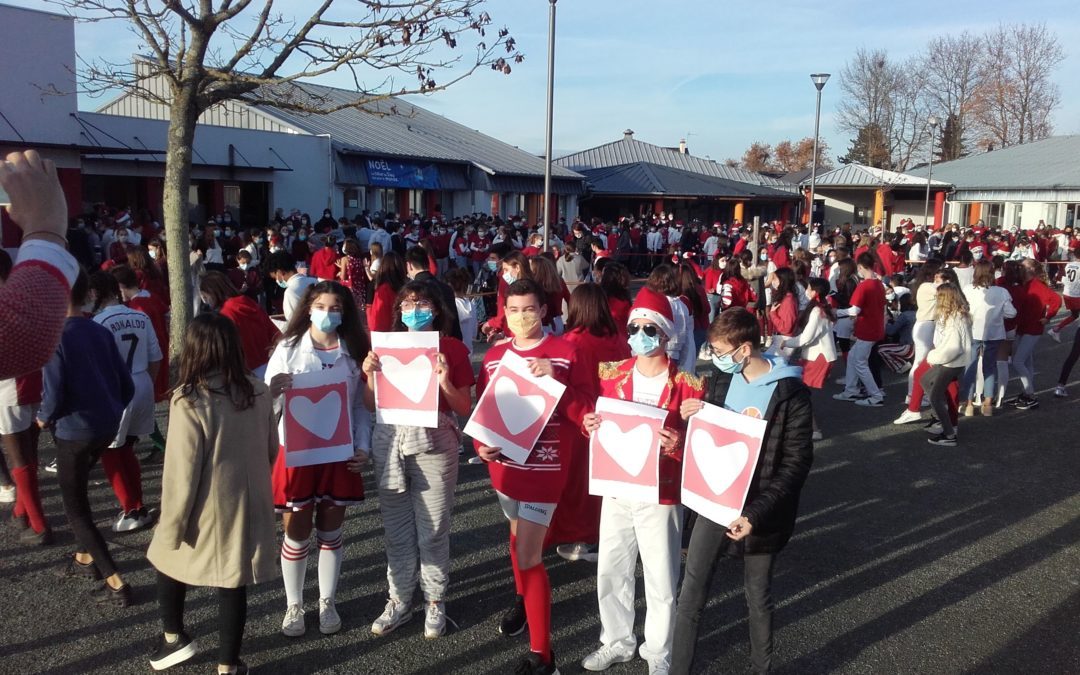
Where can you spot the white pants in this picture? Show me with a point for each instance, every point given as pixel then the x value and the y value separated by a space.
pixel 858 370
pixel 629 528
pixel 922 334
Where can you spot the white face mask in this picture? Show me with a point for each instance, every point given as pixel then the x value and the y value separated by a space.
pixel 153 254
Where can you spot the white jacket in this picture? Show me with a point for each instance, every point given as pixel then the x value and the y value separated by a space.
pixel 989 308
pixel 301 358
pixel 952 343
pixel 816 338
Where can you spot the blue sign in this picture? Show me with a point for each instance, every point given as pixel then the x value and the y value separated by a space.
pixel 383 173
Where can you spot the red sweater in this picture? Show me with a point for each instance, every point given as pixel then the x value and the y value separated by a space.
pixel 324 264
pixel 542 477
pixel 620 312
pixel 257 332
pixel 153 307
pixel 783 318
pixel 380 314
pixel 617 381
pixel 1039 303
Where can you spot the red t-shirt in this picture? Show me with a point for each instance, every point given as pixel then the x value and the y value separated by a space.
pixel 869 297
pixel 380 314
pixel 457 361
pixel 154 308
pixel 257 332
pixel 324 264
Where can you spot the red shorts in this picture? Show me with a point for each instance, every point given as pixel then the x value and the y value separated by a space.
pixel 1072 304
pixel 815 372
pixel 303 486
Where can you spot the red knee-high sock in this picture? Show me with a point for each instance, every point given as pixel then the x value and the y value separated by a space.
pixel 127 485
pixel 538 609
pixel 514 563
pixel 27 496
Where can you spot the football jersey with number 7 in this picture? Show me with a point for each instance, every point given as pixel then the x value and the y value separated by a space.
pixel 134 335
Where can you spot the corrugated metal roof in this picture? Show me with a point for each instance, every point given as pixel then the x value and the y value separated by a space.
pixel 398 128
pixel 629 150
pixel 857 175
pixel 644 178
pixel 1052 163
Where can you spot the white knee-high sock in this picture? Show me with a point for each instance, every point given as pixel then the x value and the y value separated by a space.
pixel 294 569
pixel 330 555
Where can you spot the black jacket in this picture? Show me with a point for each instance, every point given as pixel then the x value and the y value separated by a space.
pixel 772 502
pixel 447 295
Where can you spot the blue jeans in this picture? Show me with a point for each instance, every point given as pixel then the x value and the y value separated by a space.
pixel 986 352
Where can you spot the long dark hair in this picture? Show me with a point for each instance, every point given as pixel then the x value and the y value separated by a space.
pixel 615 281
pixel 688 288
pixel 589 311
pixel 212 348
pixel 351 331
pixel 218 287
pixel 424 290
pixel 786 278
pixel 391 271
pixel 105 288
pixel 664 279
pixel 821 287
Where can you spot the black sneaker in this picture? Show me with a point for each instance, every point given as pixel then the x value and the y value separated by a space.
pixel 169 654
pixel 933 426
pixel 513 622
pixel 942 439
pixel 32 538
pixel 533 665
pixel 107 595
pixel 1027 403
pixel 76 569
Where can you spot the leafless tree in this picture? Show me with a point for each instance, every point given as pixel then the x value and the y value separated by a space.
pixel 953 74
pixel 909 133
pixel 208 52
pixel 870 84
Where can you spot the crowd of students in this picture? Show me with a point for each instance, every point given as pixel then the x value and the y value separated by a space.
pixel 770 319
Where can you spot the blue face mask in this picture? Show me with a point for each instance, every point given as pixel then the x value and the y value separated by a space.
pixel 492 265
pixel 324 320
pixel 283 284
pixel 509 278
pixel 302 237
pixel 727 364
pixel 417 319
pixel 641 344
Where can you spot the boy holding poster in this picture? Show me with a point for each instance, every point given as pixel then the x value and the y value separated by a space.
pixel 764 387
pixel 629 527
pixel 529 490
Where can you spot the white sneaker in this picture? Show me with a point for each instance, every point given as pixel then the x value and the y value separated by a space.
pixel 51 467
pixel 817 435
pixel 7 494
pixel 577 551
pixel 395 614
pixel 434 620
pixel 605 657
pixel 907 417
pixel 133 521
pixel 844 396
pixel 293 624
pixel 1059 392
pixel 475 460
pixel 329 620
pixel 1055 336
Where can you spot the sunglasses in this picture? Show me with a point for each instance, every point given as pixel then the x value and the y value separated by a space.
pixel 650 330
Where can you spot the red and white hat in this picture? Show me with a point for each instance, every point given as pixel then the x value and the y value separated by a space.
pixel 653 306
pixel 123 218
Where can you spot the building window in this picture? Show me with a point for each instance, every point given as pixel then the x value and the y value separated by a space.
pixel 864 215
pixel 232 199
pixel 352 198
pixel 993 215
pixel 193 195
pixel 1051 214
pixel 1018 213
pixel 1072 215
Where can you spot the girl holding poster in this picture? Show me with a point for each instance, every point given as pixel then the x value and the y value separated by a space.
pixel 416 467
pixel 324 333
pixel 761 386
pixel 629 527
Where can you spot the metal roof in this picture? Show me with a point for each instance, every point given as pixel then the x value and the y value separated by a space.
pixel 644 178
pixel 857 175
pixel 1052 163
pixel 629 150
pixel 397 128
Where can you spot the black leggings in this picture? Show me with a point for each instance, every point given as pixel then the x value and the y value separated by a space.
pixel 232 615
pixel 74 459
pixel 1070 360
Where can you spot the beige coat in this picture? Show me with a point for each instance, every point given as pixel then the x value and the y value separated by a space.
pixel 217 524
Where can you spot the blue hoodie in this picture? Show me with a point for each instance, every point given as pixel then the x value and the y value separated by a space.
pixel 752 398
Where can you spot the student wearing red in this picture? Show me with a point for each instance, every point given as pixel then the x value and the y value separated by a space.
pixel 258 334
pixel 528 492
pixel 323 264
pixel 868 308
pixel 629 528
pixel 1039 305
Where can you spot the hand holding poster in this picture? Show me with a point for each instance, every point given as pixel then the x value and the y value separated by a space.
pixel 722 449
pixel 624 453
pixel 514 408
pixel 318 418
pixel 406 386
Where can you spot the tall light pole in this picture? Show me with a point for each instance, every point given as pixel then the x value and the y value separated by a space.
pixel 933 122
pixel 547 134
pixel 819 80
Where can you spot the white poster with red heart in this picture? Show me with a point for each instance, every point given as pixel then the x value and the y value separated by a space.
pixel 514 408
pixel 406 386
pixel 318 418
pixel 624 453
pixel 719 459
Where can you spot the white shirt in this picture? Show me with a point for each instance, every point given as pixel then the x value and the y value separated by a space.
pixel 294 293
pixel 964 275
pixel 648 390
pixel 134 335
pixel 1071 280
pixel 989 307
pixel 467 321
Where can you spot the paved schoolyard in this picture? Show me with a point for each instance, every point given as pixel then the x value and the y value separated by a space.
pixel 908 558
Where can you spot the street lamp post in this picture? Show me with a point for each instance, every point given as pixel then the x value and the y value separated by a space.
pixel 933 122
pixel 547 134
pixel 819 80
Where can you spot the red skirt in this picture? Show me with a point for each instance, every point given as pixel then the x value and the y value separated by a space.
pixel 815 372
pixel 303 486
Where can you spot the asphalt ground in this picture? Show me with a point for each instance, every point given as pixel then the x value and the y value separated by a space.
pixel 908 558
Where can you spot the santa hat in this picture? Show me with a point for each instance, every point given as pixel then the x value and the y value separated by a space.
pixel 653 306
pixel 123 218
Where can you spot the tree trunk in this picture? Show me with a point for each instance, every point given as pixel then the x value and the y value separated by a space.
pixel 181 137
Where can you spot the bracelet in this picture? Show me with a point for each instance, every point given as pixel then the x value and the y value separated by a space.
pixel 34 235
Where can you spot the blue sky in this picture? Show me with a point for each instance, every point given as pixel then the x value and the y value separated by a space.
pixel 720 74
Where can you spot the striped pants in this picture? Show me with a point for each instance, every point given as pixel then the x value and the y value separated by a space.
pixel 416 522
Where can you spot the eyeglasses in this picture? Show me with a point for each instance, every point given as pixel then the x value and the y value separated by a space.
pixel 651 330
pixel 409 305
pixel 713 351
